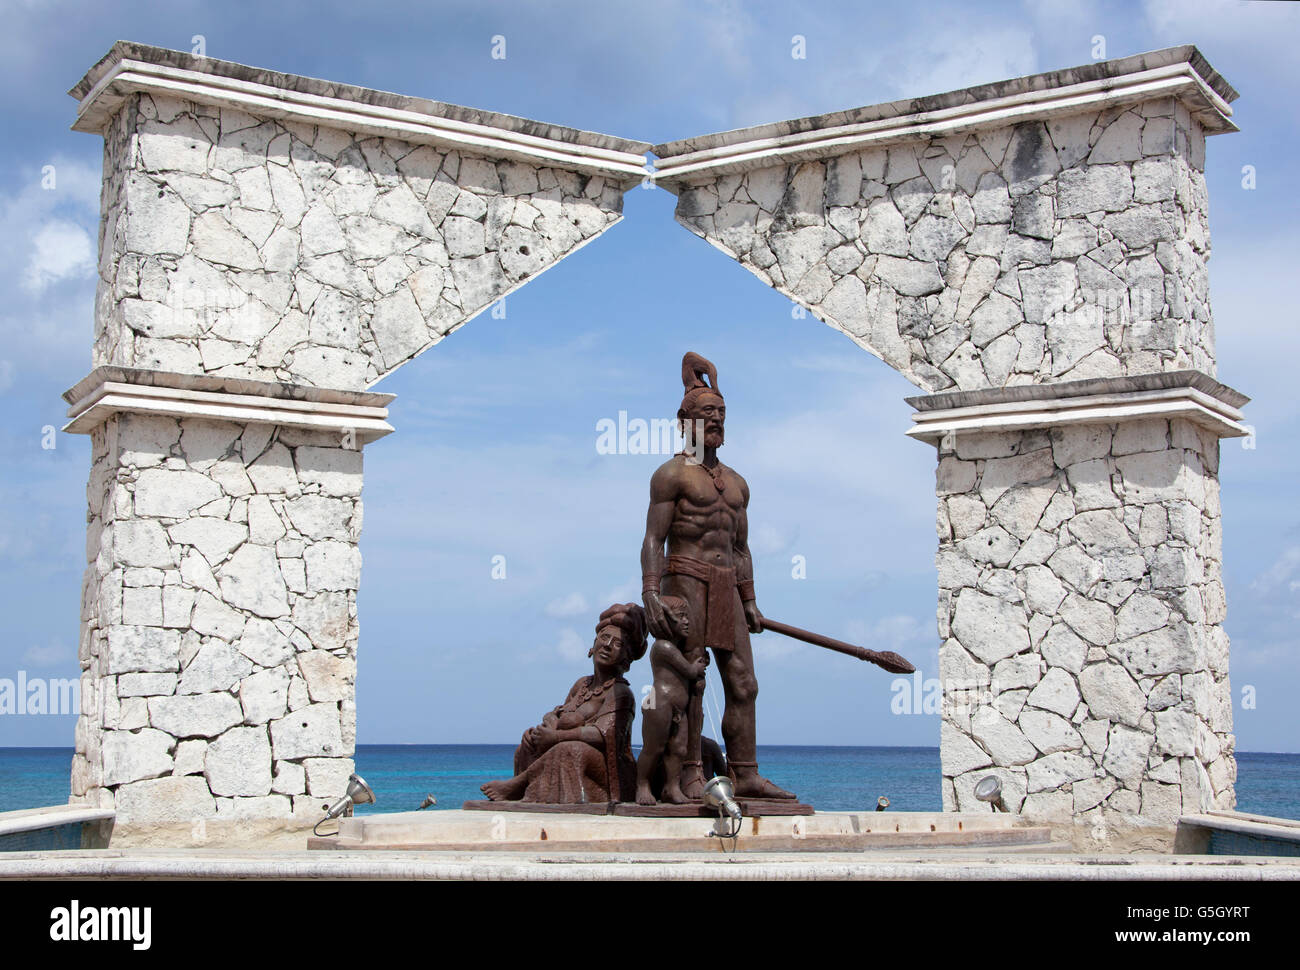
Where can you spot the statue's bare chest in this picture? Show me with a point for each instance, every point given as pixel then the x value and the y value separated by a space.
pixel 710 495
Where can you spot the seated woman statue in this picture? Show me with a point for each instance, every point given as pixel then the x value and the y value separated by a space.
pixel 582 750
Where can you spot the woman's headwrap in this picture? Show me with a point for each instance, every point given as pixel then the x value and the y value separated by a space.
pixel 630 618
pixel 694 369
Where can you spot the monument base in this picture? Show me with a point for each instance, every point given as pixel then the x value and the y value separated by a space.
pixel 477 831
pixel 749 807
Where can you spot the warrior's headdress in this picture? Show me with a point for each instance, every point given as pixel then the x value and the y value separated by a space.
pixel 694 369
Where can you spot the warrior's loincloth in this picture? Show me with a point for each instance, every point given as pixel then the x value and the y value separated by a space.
pixel 719 631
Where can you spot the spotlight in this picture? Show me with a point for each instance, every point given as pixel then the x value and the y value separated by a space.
pixel 882 803
pixel 989 789
pixel 719 793
pixel 358 793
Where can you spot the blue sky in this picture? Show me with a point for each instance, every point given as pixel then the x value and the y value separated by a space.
pixel 495 451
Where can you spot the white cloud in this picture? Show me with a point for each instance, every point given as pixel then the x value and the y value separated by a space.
pixel 6 375
pixel 629 592
pixel 575 604
pixel 890 632
pixel 571 646
pixel 1283 572
pixel 60 250
pixel 47 656
pixel 769 540
pixel 959 57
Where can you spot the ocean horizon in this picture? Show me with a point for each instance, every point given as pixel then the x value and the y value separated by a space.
pixel 829 777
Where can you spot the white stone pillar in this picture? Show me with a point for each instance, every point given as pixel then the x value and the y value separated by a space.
pixel 270 247
pixel 1081 599
pixel 219 623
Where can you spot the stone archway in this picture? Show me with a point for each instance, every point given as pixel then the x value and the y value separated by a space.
pixel 1032 252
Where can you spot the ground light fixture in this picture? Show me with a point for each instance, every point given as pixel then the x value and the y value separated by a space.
pixel 720 794
pixel 358 793
pixel 989 789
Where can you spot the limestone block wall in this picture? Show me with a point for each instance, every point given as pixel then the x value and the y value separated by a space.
pixel 245 246
pixel 1048 250
pixel 219 620
pixel 1081 608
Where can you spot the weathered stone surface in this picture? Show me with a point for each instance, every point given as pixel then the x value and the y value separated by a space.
pixel 990 628
pixel 190 756
pixel 311 732
pixel 333 565
pixel 1161 803
pixel 239 762
pixel 263 643
pixel 1111 693
pixel 264 696
pixel 1054 770
pixel 173 493
pixel 216 667
pixel 1048 732
pixel 141 542
pixel 251 581
pixel 290 779
pixel 1002 739
pixel 1055 692
pixel 135 755
pixel 959 753
pixel 195 715
pixel 1096 188
pixel 320 517
pixel 329 678
pixel 142 648
pixel 1091 792
pixel 325 619
pixel 1176 733
pixel 254 807
pixel 212 617
pixel 327 777
pixel 160 800
pixel 1021 671
pixel 1164 651
pixel 145 685
pixel 1062 648
pixel 1126 755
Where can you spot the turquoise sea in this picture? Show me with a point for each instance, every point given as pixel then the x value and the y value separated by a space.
pixel 831 778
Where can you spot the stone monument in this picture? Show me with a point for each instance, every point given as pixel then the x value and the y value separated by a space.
pixel 1031 253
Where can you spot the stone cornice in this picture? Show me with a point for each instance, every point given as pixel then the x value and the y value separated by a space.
pixel 130 68
pixel 111 390
pixel 1177 394
pixel 1178 72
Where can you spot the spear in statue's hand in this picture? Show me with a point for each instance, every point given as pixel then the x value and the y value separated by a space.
pixel 881 658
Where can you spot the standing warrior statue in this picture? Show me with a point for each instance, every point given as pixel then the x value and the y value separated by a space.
pixel 697 506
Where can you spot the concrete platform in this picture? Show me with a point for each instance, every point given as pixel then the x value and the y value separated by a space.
pixel 482 831
pixel 964 865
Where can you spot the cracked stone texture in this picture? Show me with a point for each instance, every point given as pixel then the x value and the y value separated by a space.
pixel 206 629
pixel 234 245
pixel 1081 602
pixel 1048 251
